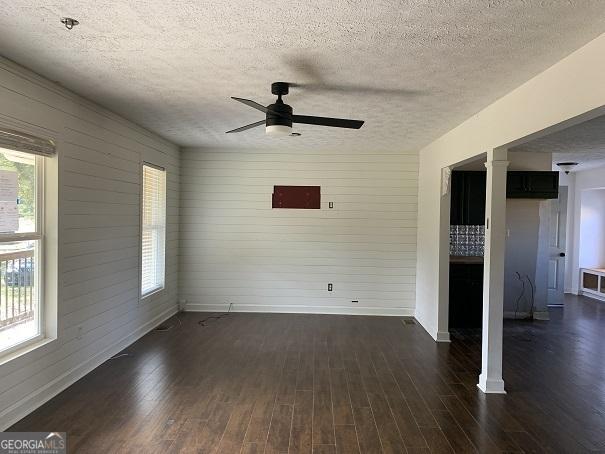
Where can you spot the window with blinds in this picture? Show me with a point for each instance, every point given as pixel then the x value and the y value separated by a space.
pixel 24 315
pixel 153 229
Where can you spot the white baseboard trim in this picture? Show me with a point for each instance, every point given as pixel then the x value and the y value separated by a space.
pixel 538 315
pixel 295 309
pixel 541 315
pixel 25 406
pixel 595 296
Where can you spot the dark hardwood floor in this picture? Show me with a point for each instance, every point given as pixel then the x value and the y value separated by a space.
pixel 277 383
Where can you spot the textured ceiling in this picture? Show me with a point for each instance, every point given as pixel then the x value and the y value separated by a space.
pixel 171 65
pixel 583 143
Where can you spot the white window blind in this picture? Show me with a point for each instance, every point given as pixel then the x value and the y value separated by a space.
pixel 153 229
pixel 20 141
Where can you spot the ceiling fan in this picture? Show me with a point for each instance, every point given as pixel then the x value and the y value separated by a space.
pixel 279 117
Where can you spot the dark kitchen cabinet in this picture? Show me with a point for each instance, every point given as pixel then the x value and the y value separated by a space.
pixel 532 185
pixel 466 295
pixel 468 198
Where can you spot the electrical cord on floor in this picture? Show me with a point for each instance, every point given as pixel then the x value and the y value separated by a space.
pixel 163 328
pixel 521 295
pixel 120 355
pixel 533 297
pixel 215 317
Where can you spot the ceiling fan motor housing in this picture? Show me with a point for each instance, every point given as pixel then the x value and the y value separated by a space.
pixel 279 114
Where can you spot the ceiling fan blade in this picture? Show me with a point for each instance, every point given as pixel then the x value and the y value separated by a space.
pixel 250 126
pixel 325 121
pixel 250 103
pixel 310 70
pixel 306 67
pixel 357 89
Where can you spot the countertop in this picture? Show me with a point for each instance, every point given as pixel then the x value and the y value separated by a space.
pixel 465 259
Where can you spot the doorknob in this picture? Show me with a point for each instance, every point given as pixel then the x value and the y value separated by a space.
pixel 561 254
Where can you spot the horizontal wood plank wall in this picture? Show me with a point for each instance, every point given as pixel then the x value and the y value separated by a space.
pixel 236 249
pixel 99 313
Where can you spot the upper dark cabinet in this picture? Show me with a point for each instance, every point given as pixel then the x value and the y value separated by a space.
pixel 468 198
pixel 532 185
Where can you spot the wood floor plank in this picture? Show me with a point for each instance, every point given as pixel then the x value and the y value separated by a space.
pixel 526 442
pixel 323 421
pixel 212 431
pixel 357 393
pixel 324 449
pixel 416 403
pixel 408 428
pixel 253 448
pixel 341 402
pixel 279 433
pixel 454 433
pixel 287 385
pixel 188 439
pixel 438 443
pixel 390 437
pixel 301 438
pixel 235 432
pixel 367 433
pixel 477 434
pixel 304 374
pixel 346 439
pixel 260 419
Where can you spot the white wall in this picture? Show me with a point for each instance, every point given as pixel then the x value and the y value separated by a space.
pixel 569 92
pixel 99 159
pixel 522 240
pixel 526 236
pixel 236 249
pixel 579 182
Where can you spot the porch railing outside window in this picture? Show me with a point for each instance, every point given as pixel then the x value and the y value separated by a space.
pixel 17 297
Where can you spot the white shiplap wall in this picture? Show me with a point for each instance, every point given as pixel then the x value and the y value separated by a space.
pixel 235 249
pixel 99 164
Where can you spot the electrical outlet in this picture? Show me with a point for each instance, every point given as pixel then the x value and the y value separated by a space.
pixel 330 204
pixel 330 287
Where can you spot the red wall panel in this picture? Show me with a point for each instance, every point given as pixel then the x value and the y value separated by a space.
pixel 306 197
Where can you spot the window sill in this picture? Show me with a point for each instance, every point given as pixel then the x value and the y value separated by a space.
pixel 27 347
pixel 152 293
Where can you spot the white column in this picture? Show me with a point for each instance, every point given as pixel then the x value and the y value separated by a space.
pixel 443 334
pixel 490 380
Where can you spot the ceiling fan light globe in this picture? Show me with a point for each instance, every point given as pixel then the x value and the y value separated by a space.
pixel 278 130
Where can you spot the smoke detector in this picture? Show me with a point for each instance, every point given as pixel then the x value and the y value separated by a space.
pixel 69 22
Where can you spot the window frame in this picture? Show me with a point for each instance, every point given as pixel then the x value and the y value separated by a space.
pixel 39 257
pixel 162 287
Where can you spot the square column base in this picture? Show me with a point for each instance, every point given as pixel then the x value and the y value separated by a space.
pixel 491 385
pixel 443 336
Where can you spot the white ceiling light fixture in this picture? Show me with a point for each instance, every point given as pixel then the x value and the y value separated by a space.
pixel 567 166
pixel 278 130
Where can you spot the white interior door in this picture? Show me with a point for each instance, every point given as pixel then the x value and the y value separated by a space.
pixel 556 248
